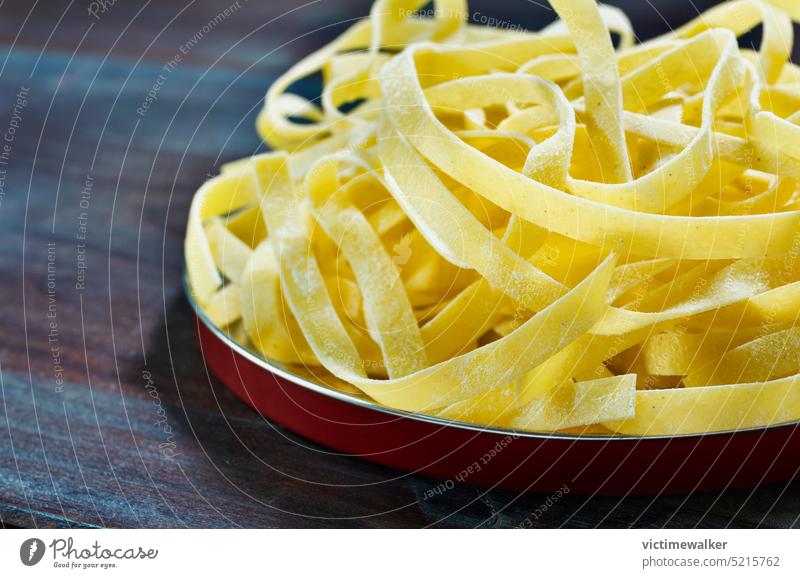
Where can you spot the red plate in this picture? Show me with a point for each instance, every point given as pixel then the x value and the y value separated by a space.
pixel 485 456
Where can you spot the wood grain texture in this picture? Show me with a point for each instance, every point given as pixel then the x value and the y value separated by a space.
pixel 109 417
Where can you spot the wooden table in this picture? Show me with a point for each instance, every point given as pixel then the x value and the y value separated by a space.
pixel 109 417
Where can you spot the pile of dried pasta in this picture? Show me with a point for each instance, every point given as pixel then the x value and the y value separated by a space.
pixel 553 230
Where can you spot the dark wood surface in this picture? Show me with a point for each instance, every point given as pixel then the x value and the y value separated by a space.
pixel 108 416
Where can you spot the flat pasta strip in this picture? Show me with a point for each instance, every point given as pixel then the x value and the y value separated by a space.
pixel 580 404
pixel 713 408
pixel 490 366
pixel 539 231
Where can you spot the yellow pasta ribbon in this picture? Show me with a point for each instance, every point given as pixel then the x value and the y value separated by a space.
pixel 542 231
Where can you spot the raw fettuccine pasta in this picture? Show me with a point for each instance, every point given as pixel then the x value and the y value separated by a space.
pixel 558 230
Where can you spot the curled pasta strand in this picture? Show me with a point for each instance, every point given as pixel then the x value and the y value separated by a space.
pixel 544 230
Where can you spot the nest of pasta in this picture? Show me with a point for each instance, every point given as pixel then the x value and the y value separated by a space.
pixel 552 230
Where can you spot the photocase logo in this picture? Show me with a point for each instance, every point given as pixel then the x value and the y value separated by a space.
pixel 31 551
